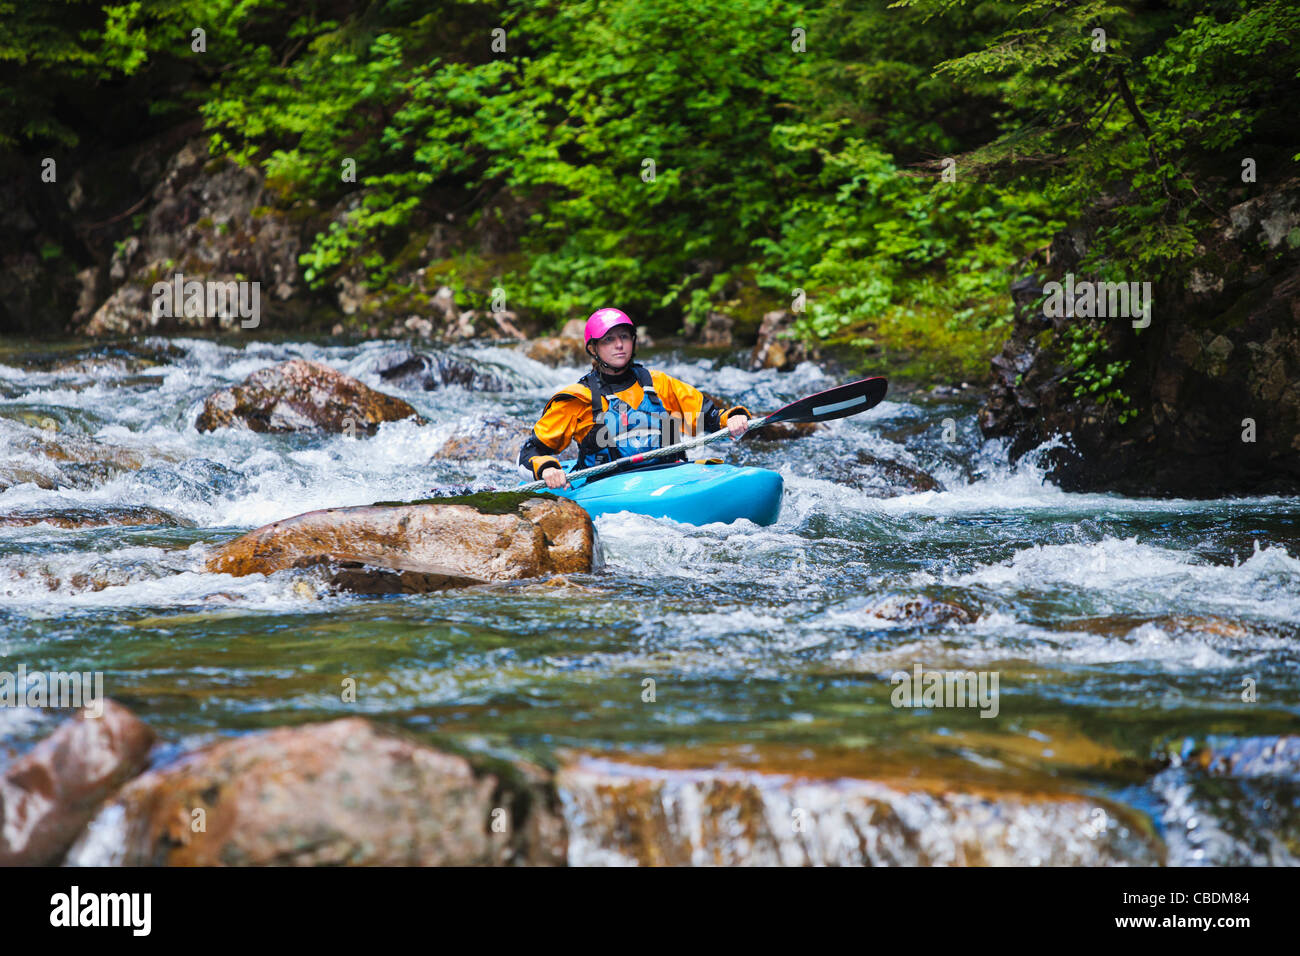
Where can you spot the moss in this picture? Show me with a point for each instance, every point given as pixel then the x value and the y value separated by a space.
pixel 923 345
pixel 486 502
pixel 205 222
pixel 473 276
pixel 411 255
pixel 750 303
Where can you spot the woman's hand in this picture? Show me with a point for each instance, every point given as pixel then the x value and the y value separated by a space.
pixel 555 478
pixel 737 425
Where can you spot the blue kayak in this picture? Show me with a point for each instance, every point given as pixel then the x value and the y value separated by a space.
pixel 683 491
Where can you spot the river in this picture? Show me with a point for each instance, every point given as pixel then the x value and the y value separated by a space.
pixel 1124 632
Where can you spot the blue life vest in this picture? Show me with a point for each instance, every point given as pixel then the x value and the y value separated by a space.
pixel 621 430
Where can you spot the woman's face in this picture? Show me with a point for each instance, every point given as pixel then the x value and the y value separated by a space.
pixel 615 348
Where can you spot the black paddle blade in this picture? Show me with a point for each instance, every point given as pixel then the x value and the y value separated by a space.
pixel 839 402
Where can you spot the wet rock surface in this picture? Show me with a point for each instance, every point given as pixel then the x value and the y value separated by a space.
pixel 487 538
pixel 499 439
pixel 210 220
pixel 1258 775
pixel 1213 379
pixel 919 610
pixel 92 517
pixel 887 478
pixel 48 795
pixel 556 351
pixel 52 453
pixel 775 814
pixel 775 348
pixel 300 395
pixel 339 793
pixel 416 370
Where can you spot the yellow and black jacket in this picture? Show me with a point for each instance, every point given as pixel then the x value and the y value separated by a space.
pixel 568 416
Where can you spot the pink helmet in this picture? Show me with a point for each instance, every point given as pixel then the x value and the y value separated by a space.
pixel 601 321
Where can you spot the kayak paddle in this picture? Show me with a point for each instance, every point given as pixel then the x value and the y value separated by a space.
pixel 839 402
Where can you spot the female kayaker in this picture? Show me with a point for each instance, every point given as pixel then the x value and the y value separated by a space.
pixel 637 409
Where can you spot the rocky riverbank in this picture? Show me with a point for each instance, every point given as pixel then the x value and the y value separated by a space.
pixel 1202 402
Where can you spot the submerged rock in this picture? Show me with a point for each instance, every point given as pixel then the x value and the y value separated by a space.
pixel 1194 625
pixel 195 479
pixel 444 542
pixel 301 395
pixel 921 610
pixel 1256 780
pixel 48 795
pixel 498 438
pixel 780 814
pixel 887 478
pixel 129 515
pixel 1251 758
pixel 338 793
pixel 76 449
pixel 13 475
pixel 63 459
pixel 416 370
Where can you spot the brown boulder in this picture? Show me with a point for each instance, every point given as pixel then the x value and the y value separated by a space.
pixel 486 537
pixel 558 351
pixel 1195 625
pixel 343 792
pixel 48 795
pixel 301 395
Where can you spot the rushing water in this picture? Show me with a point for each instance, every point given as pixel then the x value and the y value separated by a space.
pixel 1120 629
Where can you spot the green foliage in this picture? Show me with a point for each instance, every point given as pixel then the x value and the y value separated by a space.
pixel 1172 93
pixel 1084 345
pixel 767 162
pixel 816 171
